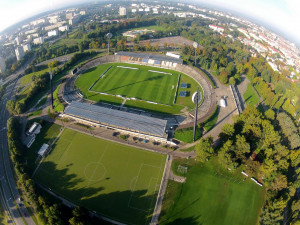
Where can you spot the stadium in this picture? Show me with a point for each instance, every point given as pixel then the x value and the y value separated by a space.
pixel 150 92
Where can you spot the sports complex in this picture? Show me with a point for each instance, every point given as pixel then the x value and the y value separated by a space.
pixel 137 95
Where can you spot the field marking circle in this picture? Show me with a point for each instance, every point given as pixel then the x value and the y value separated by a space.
pixel 94 171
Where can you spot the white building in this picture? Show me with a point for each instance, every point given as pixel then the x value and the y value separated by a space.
pixel 19 52
pixel 53 19
pixel 2 65
pixel 52 33
pixel 39 40
pixel 82 12
pixel 122 11
pixel 18 40
pixel 63 28
pixel 133 10
pixel 26 47
pixel 216 28
pixel 74 20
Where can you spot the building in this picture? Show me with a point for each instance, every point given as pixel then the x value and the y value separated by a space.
pixel 52 33
pixel 27 47
pixel 74 20
pixel 18 40
pixel 34 129
pixel 82 12
pixel 29 140
pixel 122 11
pixel 69 16
pixel 38 41
pixel 19 52
pixel 130 123
pixel 216 28
pixel 43 150
pixel 63 28
pixel 53 19
pixel 2 65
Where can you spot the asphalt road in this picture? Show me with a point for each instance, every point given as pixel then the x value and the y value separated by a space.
pixel 10 192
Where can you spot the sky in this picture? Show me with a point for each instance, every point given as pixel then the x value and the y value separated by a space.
pixel 283 15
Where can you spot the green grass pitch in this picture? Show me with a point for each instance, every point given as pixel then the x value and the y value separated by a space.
pixel 139 83
pixel 117 181
pixel 212 195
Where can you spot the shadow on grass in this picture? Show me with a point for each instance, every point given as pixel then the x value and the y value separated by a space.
pixel 129 206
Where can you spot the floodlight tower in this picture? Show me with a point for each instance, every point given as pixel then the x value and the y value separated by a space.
pixel 196 113
pixel 51 88
pixel 195 45
pixel 109 36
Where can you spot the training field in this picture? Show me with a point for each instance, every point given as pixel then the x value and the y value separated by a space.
pixel 212 195
pixel 117 181
pixel 134 81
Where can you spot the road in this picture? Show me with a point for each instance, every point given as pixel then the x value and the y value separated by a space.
pixel 11 195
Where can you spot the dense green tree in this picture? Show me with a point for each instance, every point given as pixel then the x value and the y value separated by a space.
pixel 204 149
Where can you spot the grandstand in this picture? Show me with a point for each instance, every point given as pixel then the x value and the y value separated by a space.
pixel 151 59
pixel 143 126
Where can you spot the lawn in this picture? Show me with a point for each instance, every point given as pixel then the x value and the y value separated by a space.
pixel 187 134
pixel 28 78
pixel 212 120
pixel 250 96
pixel 139 83
pixel 117 181
pixel 211 195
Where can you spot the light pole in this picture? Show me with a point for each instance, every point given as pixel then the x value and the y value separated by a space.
pixel 109 36
pixel 196 114
pixel 195 45
pixel 51 88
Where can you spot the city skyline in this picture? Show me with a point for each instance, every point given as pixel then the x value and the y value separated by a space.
pixel 279 15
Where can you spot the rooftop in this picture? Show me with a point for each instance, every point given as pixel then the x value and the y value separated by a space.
pixel 150 56
pixel 117 118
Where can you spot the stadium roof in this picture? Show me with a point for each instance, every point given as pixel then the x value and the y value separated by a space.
pixel 117 118
pixel 150 56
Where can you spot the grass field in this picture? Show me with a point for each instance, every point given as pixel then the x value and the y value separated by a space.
pixel 250 96
pixel 119 182
pixel 137 83
pixel 211 195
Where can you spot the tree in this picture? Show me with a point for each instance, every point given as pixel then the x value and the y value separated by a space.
pixel 270 114
pixel 148 46
pixel 232 81
pixel 279 183
pixel 241 147
pixel 204 149
pixel 227 132
pixel 223 77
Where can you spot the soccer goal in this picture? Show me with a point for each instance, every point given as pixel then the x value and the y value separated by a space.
pixel 182 169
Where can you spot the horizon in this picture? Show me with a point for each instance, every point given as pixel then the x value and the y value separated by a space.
pixel 281 17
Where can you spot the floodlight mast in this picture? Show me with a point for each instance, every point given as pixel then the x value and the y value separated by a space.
pixel 196 114
pixel 109 36
pixel 51 88
pixel 195 44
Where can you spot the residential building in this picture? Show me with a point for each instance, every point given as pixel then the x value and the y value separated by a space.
pixel 216 28
pixel 69 16
pixel 74 20
pixel 82 13
pixel 27 47
pixel 122 11
pixel 39 40
pixel 19 52
pixel 2 65
pixel 52 33
pixel 63 28
pixel 18 40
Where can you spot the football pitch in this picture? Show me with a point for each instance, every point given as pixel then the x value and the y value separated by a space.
pixel 212 195
pixel 140 82
pixel 117 181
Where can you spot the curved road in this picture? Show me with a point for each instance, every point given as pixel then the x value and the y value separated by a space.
pixel 10 193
